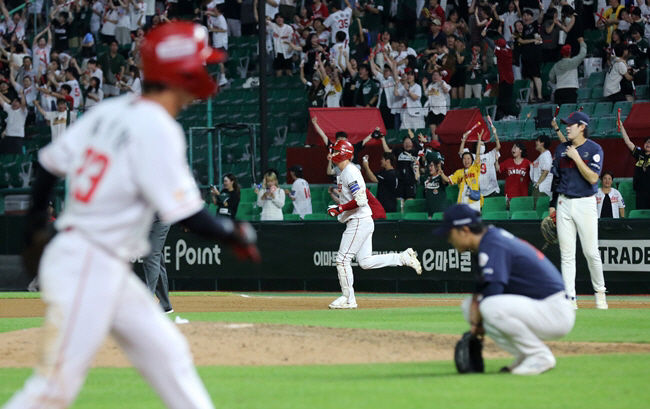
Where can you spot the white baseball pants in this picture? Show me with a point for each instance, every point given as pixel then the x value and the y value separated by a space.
pixel 579 216
pixel 518 324
pixel 357 241
pixel 89 295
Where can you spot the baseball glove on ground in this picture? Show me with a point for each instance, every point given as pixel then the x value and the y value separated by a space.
pixel 468 354
pixel 549 230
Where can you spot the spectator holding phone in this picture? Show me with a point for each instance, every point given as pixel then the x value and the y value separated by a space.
pixel 227 200
pixel 270 198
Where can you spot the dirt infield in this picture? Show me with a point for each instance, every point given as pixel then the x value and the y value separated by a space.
pixel 269 344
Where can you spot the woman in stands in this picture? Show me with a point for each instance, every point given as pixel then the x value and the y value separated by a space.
pixel 227 200
pixel 517 171
pixel 270 198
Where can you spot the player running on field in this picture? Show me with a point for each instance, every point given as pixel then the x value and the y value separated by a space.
pixel 354 211
pixel 520 298
pixel 123 161
pixel 576 168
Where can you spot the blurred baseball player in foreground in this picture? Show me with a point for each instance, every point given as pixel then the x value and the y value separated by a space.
pixel 520 298
pixel 576 168
pixel 123 161
pixel 354 211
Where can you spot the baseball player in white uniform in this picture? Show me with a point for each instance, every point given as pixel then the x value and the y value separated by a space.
pixel 123 161
pixel 354 211
pixel 299 193
pixel 576 167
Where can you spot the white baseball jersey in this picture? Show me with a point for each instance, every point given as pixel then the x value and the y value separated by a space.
pixel 75 93
pixel 58 122
pixel 350 183
pixel 301 197
pixel 338 52
pixel 616 199
pixel 543 162
pixel 124 161
pixel 488 178
pixel 339 21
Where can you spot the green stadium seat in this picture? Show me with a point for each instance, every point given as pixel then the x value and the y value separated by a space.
pixel 494 204
pixel 247 217
pixel 565 111
pixel 416 216
pixel 245 208
pixel 455 103
pixel 640 214
pixel 524 215
pixel 587 107
pixel 542 204
pixel 524 203
pixel 543 216
pixel 604 128
pixel 596 79
pixel 528 109
pixel 584 94
pixel 438 216
pixel 603 109
pixel 318 206
pixel 452 192
pixel 642 91
pixel 514 129
pixel 469 103
pixel 394 216
pixel 288 206
pixel 247 195
pixel 502 187
pixel 414 206
pixel 624 106
pixel 529 131
pixel 597 93
pixel 295 139
pixel 291 217
pixel 318 216
pixel 503 215
pixel 630 201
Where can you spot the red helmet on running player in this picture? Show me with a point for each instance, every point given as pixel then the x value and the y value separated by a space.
pixel 176 54
pixel 345 151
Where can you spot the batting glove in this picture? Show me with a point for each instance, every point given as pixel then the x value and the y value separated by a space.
pixel 334 210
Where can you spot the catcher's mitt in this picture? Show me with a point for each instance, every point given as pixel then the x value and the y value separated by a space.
pixel 549 231
pixel 468 354
pixel 38 232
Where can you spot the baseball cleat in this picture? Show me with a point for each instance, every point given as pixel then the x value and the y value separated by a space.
pixel 574 302
pixel 534 365
pixel 601 302
pixel 410 258
pixel 342 303
pixel 169 311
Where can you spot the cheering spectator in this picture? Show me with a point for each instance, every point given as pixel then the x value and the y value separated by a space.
pixel 531 53
pixel 133 84
pixel 489 167
pixel 113 65
pixel 94 93
pixel 287 9
pixel 318 10
pixel 457 81
pixel 366 91
pixel 540 169
pixel 611 18
pixel 138 11
pixel 340 52
pixel 332 84
pixel 609 200
pixel 386 179
pixel 613 89
pixel 227 200
pixel 270 198
pixel 436 36
pixel 282 36
pixel 565 74
pixel 315 88
pixel 109 24
pixel 407 166
pixel 59 119
pixel 437 94
pixel 506 76
pixel 509 18
pixel 468 178
pixel 550 34
pixel 299 194
pixel 94 71
pixel 123 26
pixel 641 181
pixel 219 28
pixel 16 110
pixel 640 54
pixel 97 10
pixel 435 192
pixel 16 24
pixel 572 27
pixel 41 49
pixel 339 21
pixel 411 92
pixel 517 171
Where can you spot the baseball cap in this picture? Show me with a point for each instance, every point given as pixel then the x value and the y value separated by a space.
pixel 576 117
pixel 458 215
pixel 500 42
pixel 435 22
pixel 566 51
pixel 296 168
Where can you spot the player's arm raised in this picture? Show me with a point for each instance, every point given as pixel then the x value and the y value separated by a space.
pixel 626 138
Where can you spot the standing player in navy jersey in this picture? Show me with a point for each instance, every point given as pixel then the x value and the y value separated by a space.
pixel 520 298
pixel 576 167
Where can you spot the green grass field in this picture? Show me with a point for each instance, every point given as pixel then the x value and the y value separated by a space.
pixel 599 381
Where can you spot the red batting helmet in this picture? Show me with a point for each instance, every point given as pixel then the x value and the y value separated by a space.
pixel 175 54
pixel 345 151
